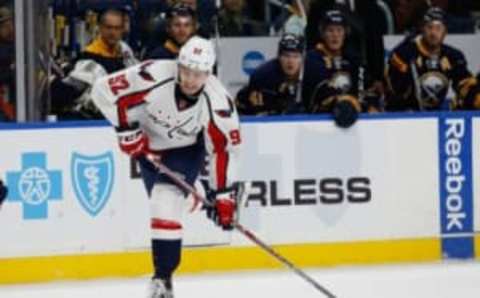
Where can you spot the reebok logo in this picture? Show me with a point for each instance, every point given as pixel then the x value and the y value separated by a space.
pixel 455 178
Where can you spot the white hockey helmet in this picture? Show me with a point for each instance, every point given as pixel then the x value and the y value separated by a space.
pixel 198 54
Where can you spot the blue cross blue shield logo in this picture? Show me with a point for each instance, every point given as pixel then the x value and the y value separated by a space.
pixel 92 179
pixel 34 185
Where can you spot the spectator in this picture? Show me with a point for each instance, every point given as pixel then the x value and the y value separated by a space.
pixel 204 11
pixel 273 86
pixel 420 71
pixel 339 84
pixel 7 65
pixel 459 15
pixel 181 25
pixel 297 21
pixel 150 21
pixel 409 14
pixel 107 53
pixel 281 14
pixel 108 49
pixel 366 38
pixel 234 20
pixel 256 9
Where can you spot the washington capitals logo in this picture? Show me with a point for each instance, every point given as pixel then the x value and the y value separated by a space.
pixel 92 179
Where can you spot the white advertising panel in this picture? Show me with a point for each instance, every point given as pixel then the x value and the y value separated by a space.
pixel 65 191
pixel 313 182
pixel 72 191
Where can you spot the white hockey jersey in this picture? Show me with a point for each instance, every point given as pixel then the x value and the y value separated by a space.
pixel 145 94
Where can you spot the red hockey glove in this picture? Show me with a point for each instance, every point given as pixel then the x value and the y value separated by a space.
pixel 133 141
pixel 222 210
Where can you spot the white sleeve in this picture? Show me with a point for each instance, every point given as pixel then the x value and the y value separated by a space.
pixel 128 55
pixel 223 140
pixel 87 71
pixel 119 94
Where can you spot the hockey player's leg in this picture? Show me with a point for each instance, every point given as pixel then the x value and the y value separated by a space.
pixel 166 207
pixel 167 203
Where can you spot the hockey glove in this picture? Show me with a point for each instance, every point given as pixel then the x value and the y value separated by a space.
pixel 133 141
pixel 3 192
pixel 472 100
pixel 222 208
pixel 345 111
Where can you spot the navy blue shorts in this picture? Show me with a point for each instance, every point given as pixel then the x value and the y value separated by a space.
pixel 187 161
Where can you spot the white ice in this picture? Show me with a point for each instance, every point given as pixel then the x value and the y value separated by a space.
pixel 453 280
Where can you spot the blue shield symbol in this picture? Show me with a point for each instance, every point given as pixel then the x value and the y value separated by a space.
pixel 92 179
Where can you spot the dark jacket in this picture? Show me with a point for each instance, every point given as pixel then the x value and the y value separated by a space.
pixel 7 82
pixel 169 50
pixel 420 80
pixel 366 37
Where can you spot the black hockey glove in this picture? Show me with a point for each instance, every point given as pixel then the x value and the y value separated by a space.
pixel 3 192
pixel 345 111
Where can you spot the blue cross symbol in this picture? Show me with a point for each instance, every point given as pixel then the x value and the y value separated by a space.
pixel 34 185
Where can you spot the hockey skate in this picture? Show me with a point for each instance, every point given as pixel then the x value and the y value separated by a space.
pixel 160 288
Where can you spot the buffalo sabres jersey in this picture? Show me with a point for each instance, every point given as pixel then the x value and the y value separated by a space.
pixel 145 94
pixel 335 76
pixel 420 80
pixel 269 92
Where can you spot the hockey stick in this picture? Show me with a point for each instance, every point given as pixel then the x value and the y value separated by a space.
pixel 303 13
pixel 418 88
pixel 218 5
pixel 247 233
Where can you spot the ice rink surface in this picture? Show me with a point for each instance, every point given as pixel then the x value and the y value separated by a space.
pixel 453 280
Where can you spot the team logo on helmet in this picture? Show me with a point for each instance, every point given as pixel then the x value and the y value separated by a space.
pixel 291 43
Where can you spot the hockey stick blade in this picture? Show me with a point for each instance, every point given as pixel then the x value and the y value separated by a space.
pixel 240 228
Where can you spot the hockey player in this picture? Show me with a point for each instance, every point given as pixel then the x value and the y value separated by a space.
pixel 3 192
pixel 181 24
pixel 273 86
pixel 421 70
pixel 174 111
pixel 337 90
